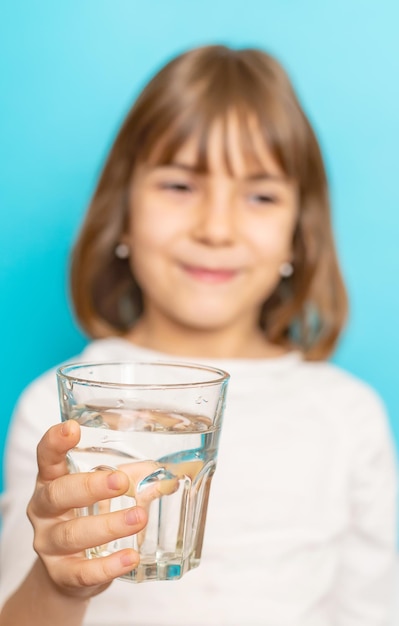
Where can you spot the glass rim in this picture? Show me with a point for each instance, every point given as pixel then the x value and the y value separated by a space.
pixel 62 374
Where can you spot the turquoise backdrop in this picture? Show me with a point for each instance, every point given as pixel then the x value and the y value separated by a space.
pixel 69 71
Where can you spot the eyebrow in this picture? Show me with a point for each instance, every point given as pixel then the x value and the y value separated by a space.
pixel 184 166
pixel 266 176
pixel 256 176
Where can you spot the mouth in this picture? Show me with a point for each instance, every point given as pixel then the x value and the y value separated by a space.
pixel 210 275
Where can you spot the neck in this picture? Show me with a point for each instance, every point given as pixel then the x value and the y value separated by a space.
pixel 202 343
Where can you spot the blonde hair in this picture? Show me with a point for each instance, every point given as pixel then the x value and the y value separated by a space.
pixel 309 308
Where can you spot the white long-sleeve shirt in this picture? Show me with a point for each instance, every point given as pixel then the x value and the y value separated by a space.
pixel 302 516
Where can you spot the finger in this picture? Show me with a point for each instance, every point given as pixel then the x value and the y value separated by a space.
pixel 52 449
pixel 81 533
pixel 148 481
pixel 78 573
pixel 72 491
pixel 186 468
pixel 155 490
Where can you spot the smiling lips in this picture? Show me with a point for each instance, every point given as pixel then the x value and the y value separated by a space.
pixel 207 275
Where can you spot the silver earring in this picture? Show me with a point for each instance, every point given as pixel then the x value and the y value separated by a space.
pixel 122 251
pixel 286 269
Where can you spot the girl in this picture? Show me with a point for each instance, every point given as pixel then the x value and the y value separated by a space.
pixel 209 239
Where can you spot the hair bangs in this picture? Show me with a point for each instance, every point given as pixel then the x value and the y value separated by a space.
pixel 261 121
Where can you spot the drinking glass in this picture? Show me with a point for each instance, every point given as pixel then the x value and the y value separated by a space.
pixel 159 423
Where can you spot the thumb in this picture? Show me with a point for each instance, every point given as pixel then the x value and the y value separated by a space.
pixel 52 449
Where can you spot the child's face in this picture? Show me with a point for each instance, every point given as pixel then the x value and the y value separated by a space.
pixel 206 248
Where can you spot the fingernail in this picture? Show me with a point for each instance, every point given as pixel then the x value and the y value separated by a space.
pixel 114 480
pixel 128 559
pixel 131 517
pixel 65 429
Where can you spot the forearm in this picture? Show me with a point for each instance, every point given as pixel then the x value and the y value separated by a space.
pixel 38 602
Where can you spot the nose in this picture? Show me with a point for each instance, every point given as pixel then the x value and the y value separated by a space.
pixel 215 221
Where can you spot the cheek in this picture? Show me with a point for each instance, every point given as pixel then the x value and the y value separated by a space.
pixel 273 240
pixel 152 222
pixel 150 229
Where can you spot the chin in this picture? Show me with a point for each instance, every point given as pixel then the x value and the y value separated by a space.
pixel 206 323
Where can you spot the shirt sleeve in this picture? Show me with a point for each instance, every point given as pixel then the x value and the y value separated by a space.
pixel 366 578
pixel 36 411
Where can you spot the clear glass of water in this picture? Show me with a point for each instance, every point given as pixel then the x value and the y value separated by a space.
pixel 160 424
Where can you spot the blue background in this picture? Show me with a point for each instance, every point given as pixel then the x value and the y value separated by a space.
pixel 69 71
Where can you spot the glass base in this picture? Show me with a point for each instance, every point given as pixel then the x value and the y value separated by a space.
pixel 171 569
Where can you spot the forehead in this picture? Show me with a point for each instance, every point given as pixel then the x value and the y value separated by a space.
pixel 228 145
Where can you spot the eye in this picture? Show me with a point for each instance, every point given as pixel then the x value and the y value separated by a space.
pixel 176 186
pixel 263 198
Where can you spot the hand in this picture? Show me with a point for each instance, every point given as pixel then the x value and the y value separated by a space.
pixel 60 537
